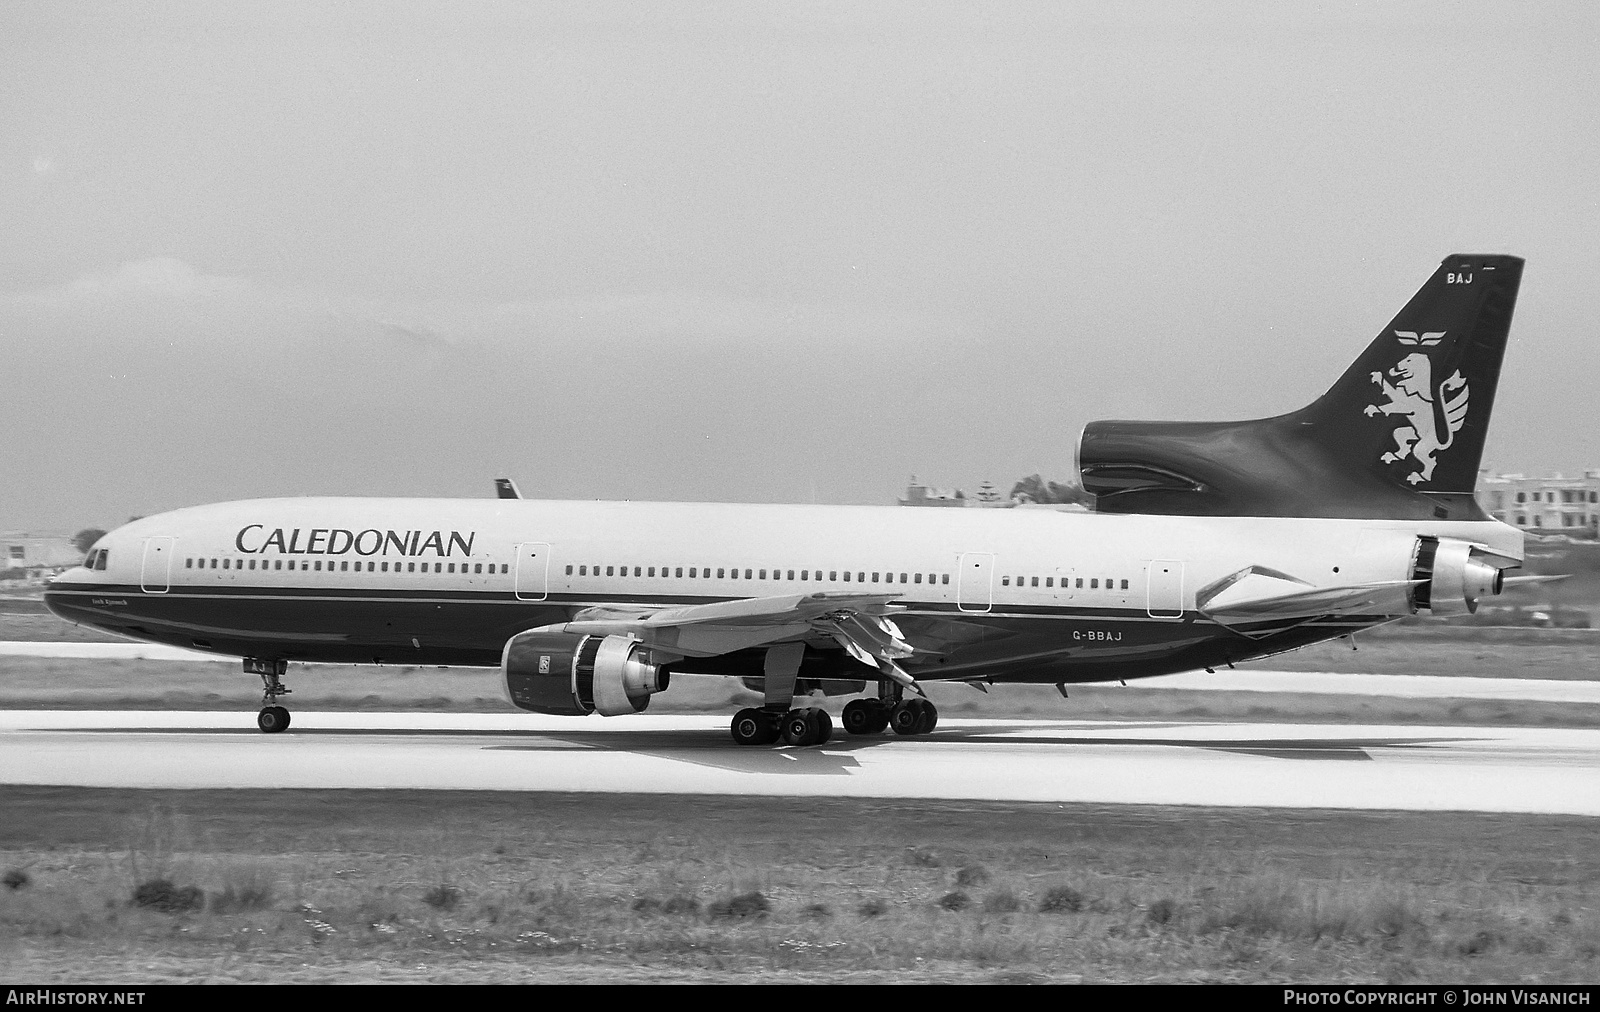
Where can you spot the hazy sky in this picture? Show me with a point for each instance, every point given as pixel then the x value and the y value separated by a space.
pixel 749 251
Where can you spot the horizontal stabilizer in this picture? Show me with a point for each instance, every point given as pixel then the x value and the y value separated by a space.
pixel 505 488
pixel 1258 594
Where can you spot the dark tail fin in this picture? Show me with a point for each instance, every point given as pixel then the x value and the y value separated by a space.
pixel 1400 435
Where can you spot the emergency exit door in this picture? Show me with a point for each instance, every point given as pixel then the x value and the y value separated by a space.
pixel 155 570
pixel 533 571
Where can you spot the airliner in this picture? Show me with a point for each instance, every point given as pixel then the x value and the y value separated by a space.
pixel 1209 543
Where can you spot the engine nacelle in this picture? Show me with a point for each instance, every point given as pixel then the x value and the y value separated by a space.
pixel 562 673
pixel 1453 580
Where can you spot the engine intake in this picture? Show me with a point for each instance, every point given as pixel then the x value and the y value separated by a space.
pixel 1452 578
pixel 563 673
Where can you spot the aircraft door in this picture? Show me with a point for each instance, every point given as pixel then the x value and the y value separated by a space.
pixel 975 582
pixel 1164 578
pixel 533 571
pixel 155 570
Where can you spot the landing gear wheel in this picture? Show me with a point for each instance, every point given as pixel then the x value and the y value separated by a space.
pixel 272 719
pixel 864 716
pixel 913 716
pixel 798 727
pixel 754 727
pixel 824 724
pixel 880 718
pixel 810 726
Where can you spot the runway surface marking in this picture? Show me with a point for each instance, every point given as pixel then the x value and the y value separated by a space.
pixel 1317 682
pixel 1172 763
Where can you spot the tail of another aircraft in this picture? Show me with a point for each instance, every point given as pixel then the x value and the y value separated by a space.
pixel 1400 435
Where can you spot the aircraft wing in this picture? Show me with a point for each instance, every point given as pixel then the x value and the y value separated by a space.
pixel 1258 594
pixel 859 623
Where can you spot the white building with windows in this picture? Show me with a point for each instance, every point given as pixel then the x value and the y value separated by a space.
pixel 1550 505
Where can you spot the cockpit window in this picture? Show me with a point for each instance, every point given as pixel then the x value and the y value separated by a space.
pixel 100 563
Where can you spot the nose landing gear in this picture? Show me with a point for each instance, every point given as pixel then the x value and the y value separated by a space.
pixel 272 718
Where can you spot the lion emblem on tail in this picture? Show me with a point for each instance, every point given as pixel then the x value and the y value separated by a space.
pixel 1433 414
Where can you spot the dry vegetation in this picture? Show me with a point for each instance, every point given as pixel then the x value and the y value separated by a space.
pixel 314 885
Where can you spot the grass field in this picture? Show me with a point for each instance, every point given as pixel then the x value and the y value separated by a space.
pixel 357 885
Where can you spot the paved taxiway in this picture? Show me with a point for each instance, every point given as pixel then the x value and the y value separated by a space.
pixel 1179 763
pixel 1548 690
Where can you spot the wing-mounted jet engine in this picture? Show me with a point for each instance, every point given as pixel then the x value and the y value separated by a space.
pixel 574 675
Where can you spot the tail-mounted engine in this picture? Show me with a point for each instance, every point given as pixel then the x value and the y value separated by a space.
pixel 563 673
pixel 1454 576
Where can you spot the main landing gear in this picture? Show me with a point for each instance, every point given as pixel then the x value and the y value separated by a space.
pixel 272 718
pixel 807 726
pixel 812 726
pixel 906 716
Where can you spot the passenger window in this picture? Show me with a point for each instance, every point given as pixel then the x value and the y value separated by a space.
pixel 609 571
pixel 319 565
pixel 733 574
pixel 1124 584
pixel 720 572
pixel 1005 581
pixel 569 570
pixel 1049 581
pixel 847 576
pixel 636 570
pixel 504 568
pixel 833 575
pixel 862 577
pixel 452 568
pixel 1094 584
pixel 411 567
pixel 747 573
pixel 477 567
pixel 277 564
pixel 1080 583
pixel 652 571
pixel 903 578
pixel 918 579
pixel 945 578
pixel 1034 582
pixel 692 570
pixel 187 563
pixel 680 572
pixel 438 567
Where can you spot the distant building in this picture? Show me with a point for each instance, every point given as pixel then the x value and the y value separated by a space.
pixel 37 553
pixel 1549 505
pixel 918 494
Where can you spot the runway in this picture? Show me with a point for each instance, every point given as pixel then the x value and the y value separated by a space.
pixel 1411 768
